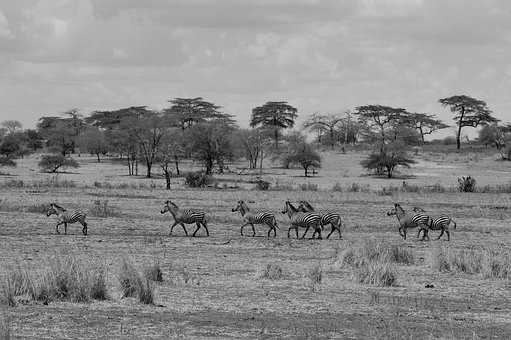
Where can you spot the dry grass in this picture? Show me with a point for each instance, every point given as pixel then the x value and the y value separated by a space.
pixel 66 278
pixel 315 277
pixel 367 251
pixel 101 208
pixel 378 273
pixel 133 284
pixel 490 262
pixel 5 328
pixel 153 272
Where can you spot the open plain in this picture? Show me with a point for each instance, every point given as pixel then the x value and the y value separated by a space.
pixel 215 286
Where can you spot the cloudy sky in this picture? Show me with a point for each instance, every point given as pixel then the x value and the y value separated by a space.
pixel 324 56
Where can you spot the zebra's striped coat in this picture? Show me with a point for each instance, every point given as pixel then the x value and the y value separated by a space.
pixel 258 217
pixel 408 221
pixel 302 220
pixel 327 217
pixel 67 217
pixel 185 216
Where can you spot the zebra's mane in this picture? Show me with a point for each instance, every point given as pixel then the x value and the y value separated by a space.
pixel 398 207
pixel 307 205
pixel 244 205
pixel 172 203
pixel 58 207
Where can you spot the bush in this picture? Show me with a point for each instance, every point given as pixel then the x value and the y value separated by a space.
pixel 466 184
pixel 360 254
pixel 272 271
pixel 197 179
pixel 449 140
pixel 387 159
pixel 262 184
pixel 52 163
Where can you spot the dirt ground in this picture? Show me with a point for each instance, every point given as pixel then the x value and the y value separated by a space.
pixel 212 286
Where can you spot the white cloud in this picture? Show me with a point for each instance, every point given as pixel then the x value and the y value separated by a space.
pixel 5 32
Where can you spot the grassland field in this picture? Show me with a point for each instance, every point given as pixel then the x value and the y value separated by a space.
pixel 213 287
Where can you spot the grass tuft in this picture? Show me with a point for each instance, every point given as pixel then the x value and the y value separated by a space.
pixel 101 208
pixel 378 273
pixel 133 284
pixel 153 272
pixel 272 271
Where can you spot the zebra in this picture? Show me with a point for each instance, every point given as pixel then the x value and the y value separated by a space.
pixel 185 216
pixel 441 223
pixel 407 220
pixel 64 217
pixel 260 217
pixel 329 217
pixel 302 219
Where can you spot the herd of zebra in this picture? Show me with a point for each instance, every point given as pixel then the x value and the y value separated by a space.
pixel 302 216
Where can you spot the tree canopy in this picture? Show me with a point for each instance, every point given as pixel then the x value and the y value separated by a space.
pixel 274 115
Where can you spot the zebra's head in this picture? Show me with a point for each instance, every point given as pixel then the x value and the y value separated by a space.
pixel 418 209
pixel 52 210
pixel 289 208
pixel 240 206
pixel 168 206
pixel 305 207
pixel 397 210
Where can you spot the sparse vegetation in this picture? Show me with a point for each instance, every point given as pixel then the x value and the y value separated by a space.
pixel 272 271
pixel 153 272
pixel 466 184
pixel 197 179
pixel 378 273
pixel 102 208
pixel 134 284
pixel 52 163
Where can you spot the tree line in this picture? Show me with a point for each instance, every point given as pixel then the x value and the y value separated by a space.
pixel 193 128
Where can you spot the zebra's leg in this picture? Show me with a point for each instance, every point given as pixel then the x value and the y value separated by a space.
pixel 441 233
pixel 243 226
pixel 253 229
pixel 198 227
pixel 404 233
pixel 65 228
pixel 205 225
pixel 419 232
pixel 289 230
pixel 172 227
pixel 448 235
pixel 332 225
pixel 306 230
pixel 84 229
pixel 57 228
pixel 339 226
pixel 319 233
pixel 184 228
pixel 400 231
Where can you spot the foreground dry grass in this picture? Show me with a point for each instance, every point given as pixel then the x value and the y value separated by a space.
pixel 222 286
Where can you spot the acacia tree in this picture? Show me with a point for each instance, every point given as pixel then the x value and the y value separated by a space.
pixel 424 123
pixel 170 152
pixel 392 155
pixel 186 112
pixel 380 119
pixel 306 156
pixel 324 123
pixel 93 140
pixel 468 112
pixel 494 134
pixel 274 115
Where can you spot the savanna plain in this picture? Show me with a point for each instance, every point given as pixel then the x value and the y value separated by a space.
pixel 369 284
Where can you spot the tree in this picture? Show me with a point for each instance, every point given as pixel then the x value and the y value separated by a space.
pixel 171 151
pixel 274 115
pixel 148 129
pixel 211 143
pixel 306 156
pixel 9 149
pixel 424 123
pixel 60 133
pixel 468 112
pixel 11 126
pixel 93 141
pixel 324 124
pixel 387 159
pixel 52 163
pixel 34 140
pixel 379 119
pixel 186 112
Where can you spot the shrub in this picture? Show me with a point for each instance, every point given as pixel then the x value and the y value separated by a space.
pixel 146 292
pixel 387 159
pixel 153 272
pixel 337 187
pixel 262 184
pixel 197 179
pixel 272 271
pixel 52 163
pixel 466 184
pixel 305 155
pixel 360 254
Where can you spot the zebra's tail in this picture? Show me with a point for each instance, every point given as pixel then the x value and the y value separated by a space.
pixel 275 223
pixel 454 223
